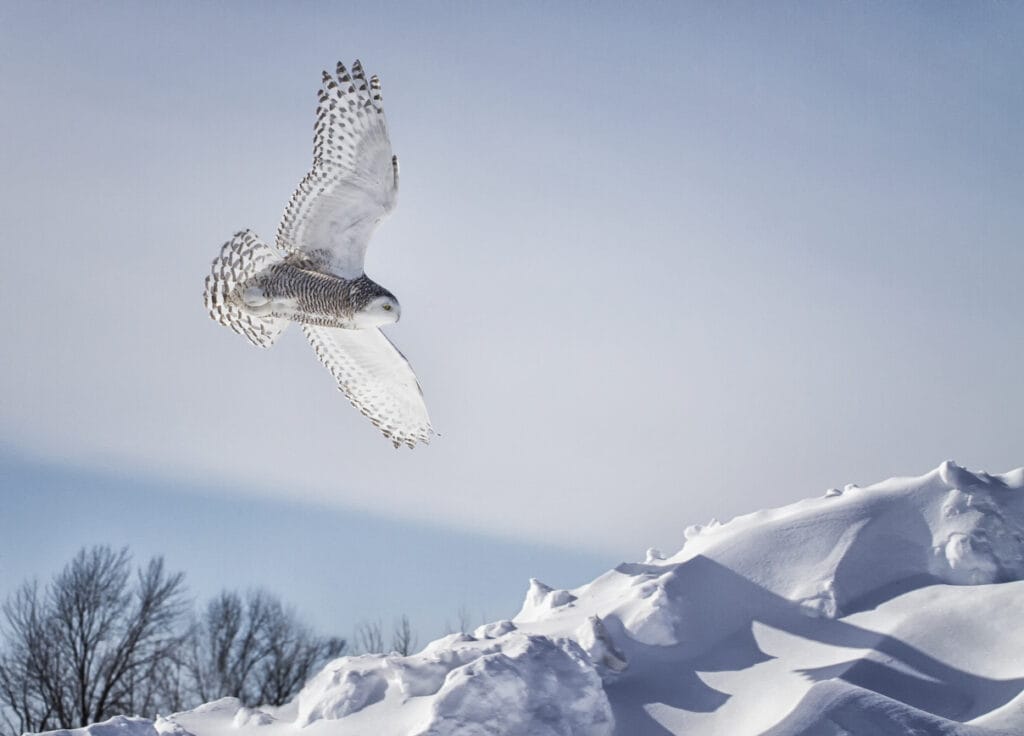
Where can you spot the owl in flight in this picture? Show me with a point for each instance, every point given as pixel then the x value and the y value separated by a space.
pixel 315 275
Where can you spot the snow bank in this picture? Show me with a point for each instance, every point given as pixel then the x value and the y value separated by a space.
pixel 116 726
pixel 530 685
pixel 836 708
pixel 892 608
pixel 505 682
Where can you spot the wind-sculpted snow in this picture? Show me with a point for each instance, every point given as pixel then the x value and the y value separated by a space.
pixel 529 686
pixel 504 682
pixel 836 708
pixel 116 726
pixel 343 690
pixel 888 609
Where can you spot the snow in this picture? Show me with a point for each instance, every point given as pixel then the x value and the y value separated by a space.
pixel 116 726
pixel 886 609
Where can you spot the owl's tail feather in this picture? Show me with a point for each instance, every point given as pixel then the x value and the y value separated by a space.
pixel 240 259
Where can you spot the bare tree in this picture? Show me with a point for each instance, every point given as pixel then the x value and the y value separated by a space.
pixel 24 663
pixel 254 649
pixel 369 638
pixel 227 645
pixel 403 639
pixel 99 640
pixel 464 619
pixel 91 643
pixel 293 654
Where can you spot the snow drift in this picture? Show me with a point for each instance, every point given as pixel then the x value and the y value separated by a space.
pixel 889 609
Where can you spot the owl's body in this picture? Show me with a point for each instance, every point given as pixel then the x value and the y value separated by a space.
pixel 299 293
pixel 315 275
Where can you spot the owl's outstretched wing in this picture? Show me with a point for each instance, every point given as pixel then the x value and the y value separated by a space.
pixel 377 379
pixel 354 180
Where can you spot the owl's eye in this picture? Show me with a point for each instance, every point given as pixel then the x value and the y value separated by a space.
pixel 387 307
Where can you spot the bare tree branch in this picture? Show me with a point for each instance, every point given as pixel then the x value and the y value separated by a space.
pixel 254 650
pixel 403 639
pixel 88 646
pixel 369 638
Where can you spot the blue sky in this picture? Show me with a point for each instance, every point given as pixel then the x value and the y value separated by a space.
pixel 657 262
pixel 337 567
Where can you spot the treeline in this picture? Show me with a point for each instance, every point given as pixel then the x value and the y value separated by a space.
pixel 106 638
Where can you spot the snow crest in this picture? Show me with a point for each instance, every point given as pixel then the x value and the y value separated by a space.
pixel 504 683
pixel 116 726
pixel 531 686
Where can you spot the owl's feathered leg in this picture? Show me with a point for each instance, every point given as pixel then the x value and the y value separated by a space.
pixel 231 302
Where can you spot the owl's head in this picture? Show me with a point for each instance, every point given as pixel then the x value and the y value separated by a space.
pixel 380 310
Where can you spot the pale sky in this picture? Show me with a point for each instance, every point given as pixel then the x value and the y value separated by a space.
pixel 657 262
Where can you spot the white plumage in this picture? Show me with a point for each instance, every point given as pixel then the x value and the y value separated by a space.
pixel 384 388
pixel 353 184
pixel 316 275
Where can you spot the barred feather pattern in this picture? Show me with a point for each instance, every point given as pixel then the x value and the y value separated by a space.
pixel 353 183
pixel 377 380
pixel 316 276
pixel 240 259
pixel 317 298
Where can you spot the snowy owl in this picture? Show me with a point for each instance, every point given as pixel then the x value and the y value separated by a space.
pixel 315 275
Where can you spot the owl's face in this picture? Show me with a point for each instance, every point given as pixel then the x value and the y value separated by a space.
pixel 381 310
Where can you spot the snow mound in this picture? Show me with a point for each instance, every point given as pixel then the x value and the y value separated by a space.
pixel 541 598
pixel 530 686
pixel 344 689
pixel 836 708
pixel 504 683
pixel 886 609
pixel 116 726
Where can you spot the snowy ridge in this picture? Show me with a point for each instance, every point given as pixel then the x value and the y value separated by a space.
pixel 888 609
